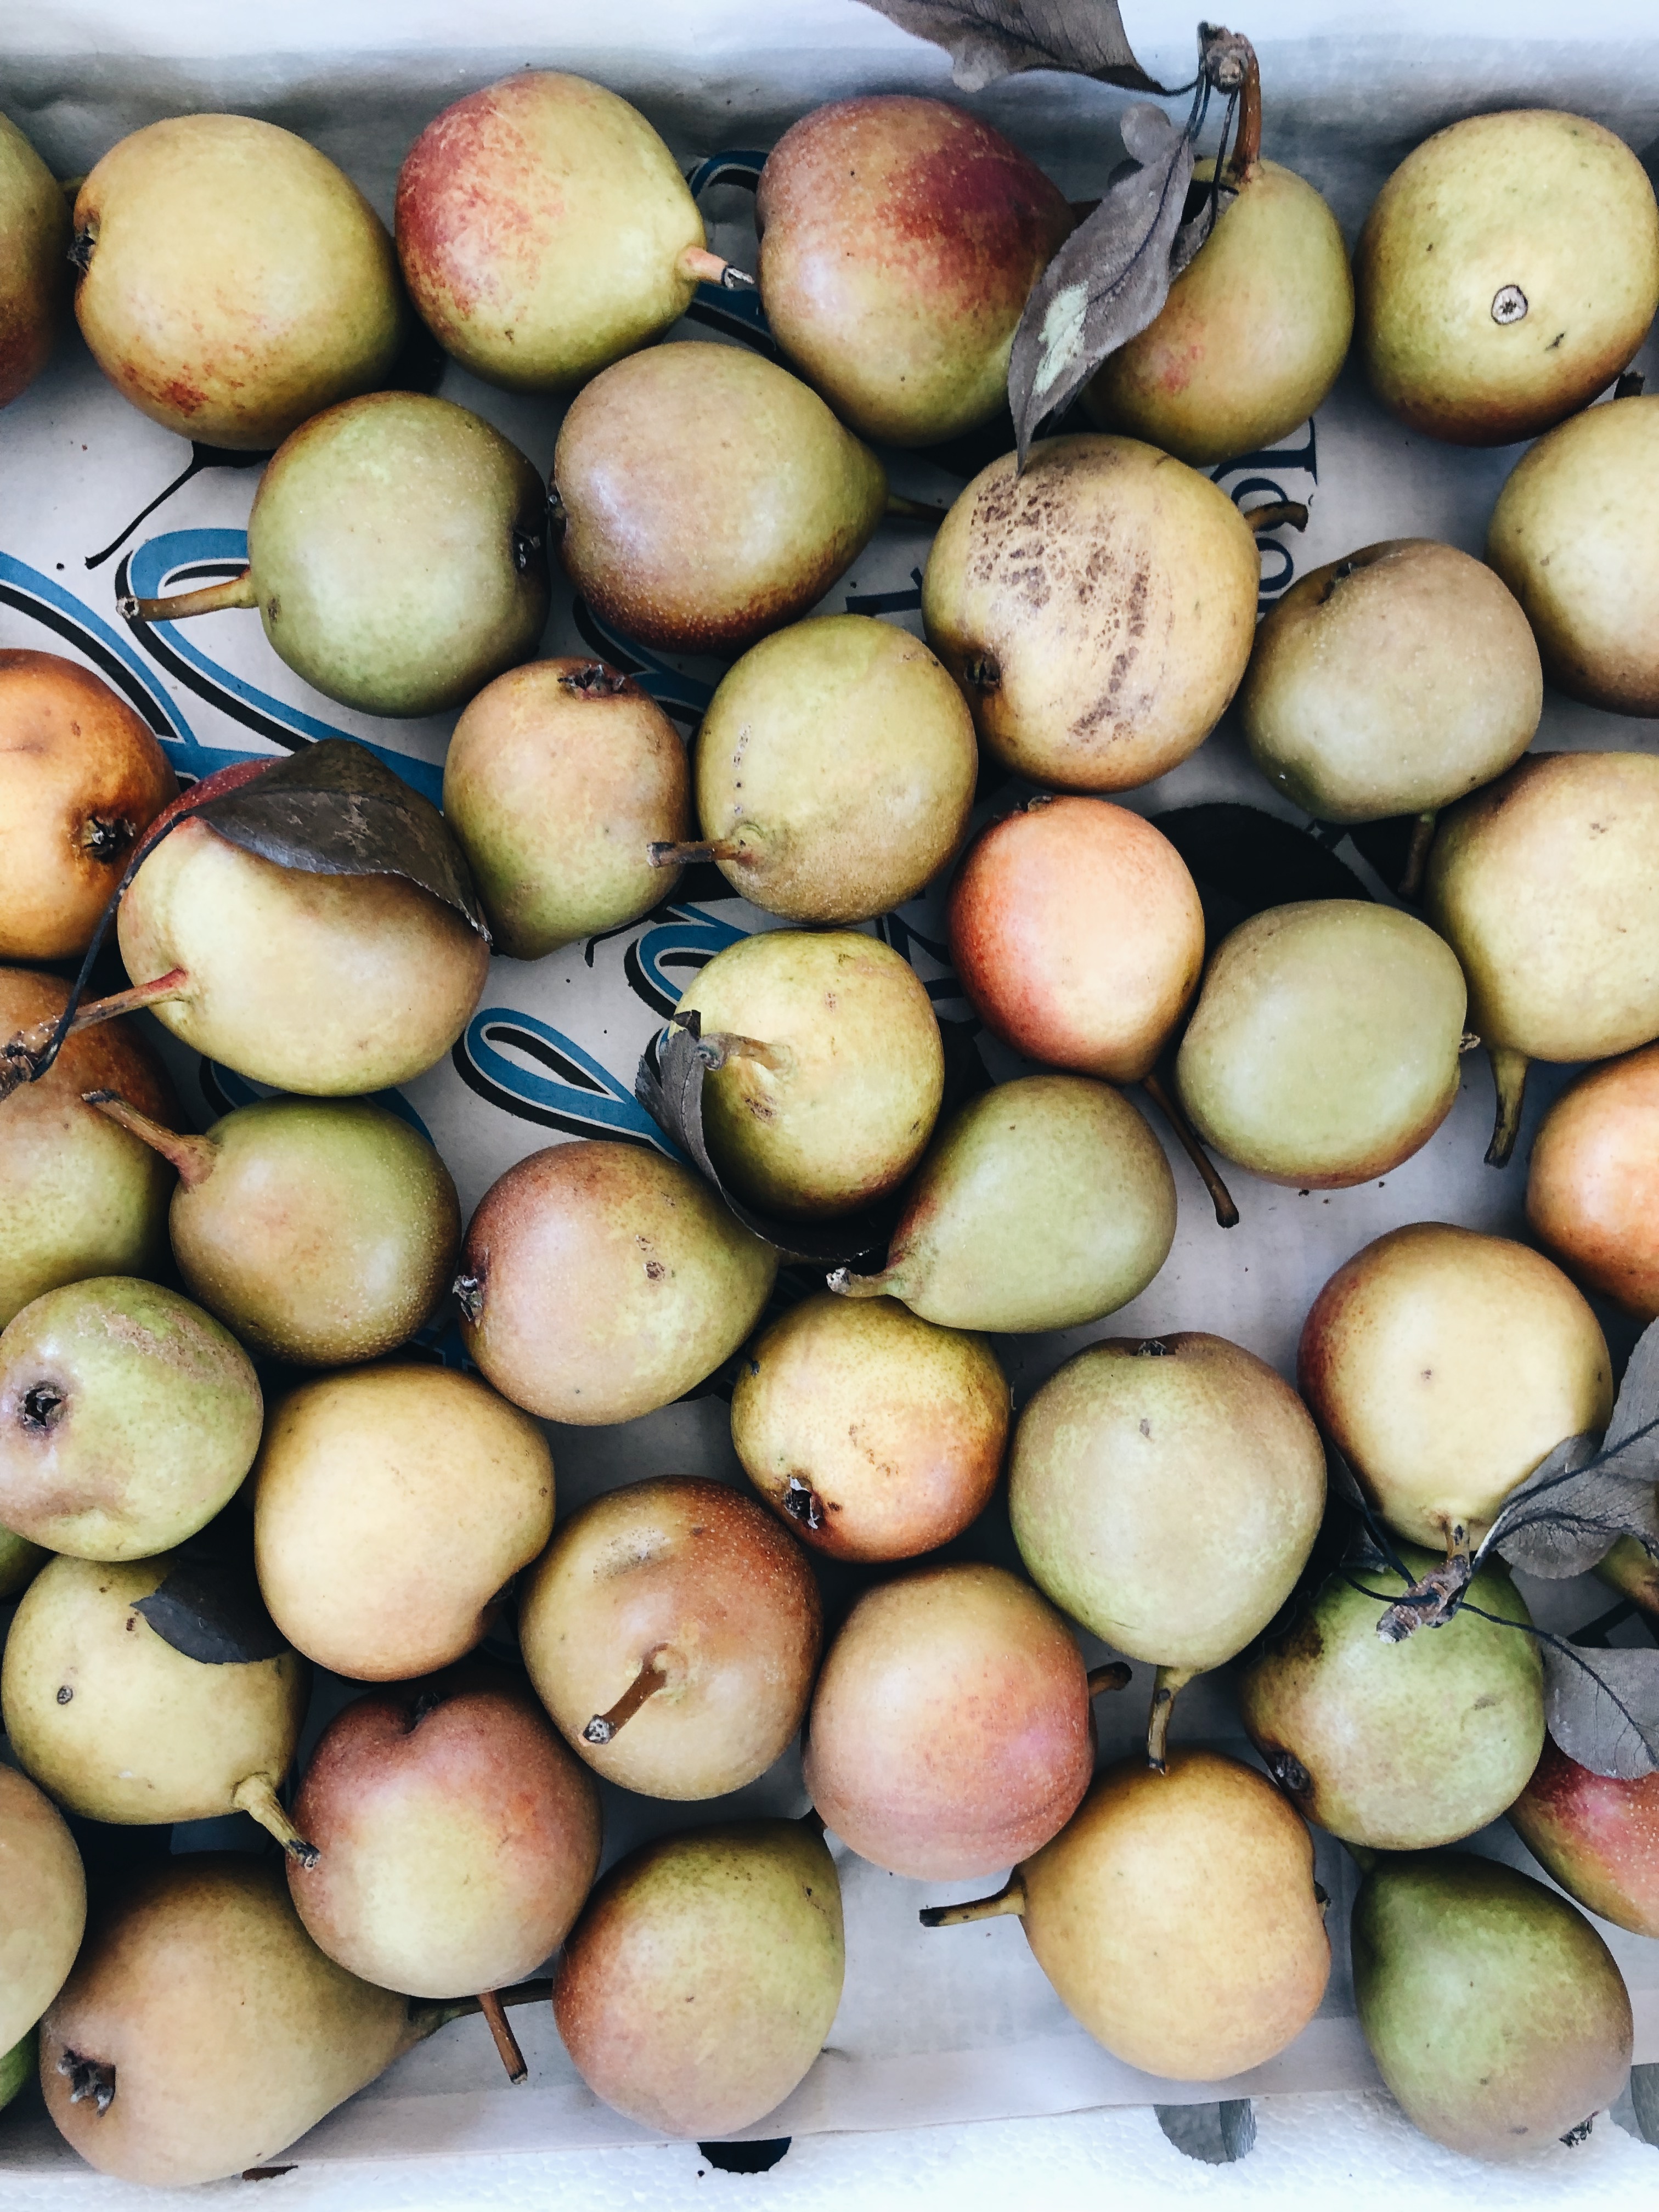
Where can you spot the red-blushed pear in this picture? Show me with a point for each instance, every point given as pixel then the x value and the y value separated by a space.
pixel 82 778
pixel 1593 1184
pixel 35 264
pixel 393 1505
pixel 545 230
pixel 1596 1835
pixel 456 1840
pixel 697 1988
pixel 599 1281
pixel 673 1630
pixel 899 240
pixel 43 1905
pixel 1177 1916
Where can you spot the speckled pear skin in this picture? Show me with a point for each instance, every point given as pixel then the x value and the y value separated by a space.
pixel 43 1910
pixel 1597 1835
pixel 1593 1181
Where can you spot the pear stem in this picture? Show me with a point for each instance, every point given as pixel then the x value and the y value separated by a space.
pixel 1509 1072
pixel 505 2042
pixel 257 1795
pixel 1011 1898
pixel 645 1683
pixel 707 268
pixel 193 1157
pixel 1167 1684
pixel 724 1045
pixel 1417 859
pixel 846 1284
pixel 235 592
pixel 914 510
pixel 1247 150
pixel 1277 512
pixel 24 1055
pixel 1221 1197
pixel 1113 1677
pixel 425 2020
pixel 670 855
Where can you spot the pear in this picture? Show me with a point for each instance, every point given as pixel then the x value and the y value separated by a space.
pixel 1596 1835
pixel 1391 681
pixel 82 778
pixel 835 770
pixel 393 1506
pixel 1570 537
pixel 874 1433
pixel 1324 1047
pixel 1177 1916
pixel 1631 1570
pixel 34 264
pixel 1593 1183
pixel 233 281
pixel 672 1631
pixel 319 984
pixel 18 2065
pixel 1041 1204
pixel 707 496
pixel 560 778
pixel 831 1072
pixel 1167 1495
pixel 322 1231
pixel 396 555
pixel 1444 1366
pixel 600 1282
pixel 1493 2009
pixel 1253 334
pixel 1400 1746
pixel 899 240
pixel 1077 932
pixel 1507 271
pixel 546 230
pixel 120 1723
pixel 1096 610
pixel 20 1562
pixel 43 1907
pixel 202 2031
pixel 128 1419
pixel 950 1731
pixel 78 1196
pixel 1544 886
pixel 698 1987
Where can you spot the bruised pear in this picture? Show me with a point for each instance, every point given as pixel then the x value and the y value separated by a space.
pixel 43 1907
pixel 34 261
pixel 1593 1181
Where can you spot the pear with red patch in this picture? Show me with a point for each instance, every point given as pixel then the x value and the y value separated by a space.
pixel 1597 1835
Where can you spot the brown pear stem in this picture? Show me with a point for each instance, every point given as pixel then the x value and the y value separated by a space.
pixel 193 1157
pixel 1247 148
pixel 846 1284
pixel 1116 1676
pixel 1167 1684
pixel 645 1683
pixel 706 268
pixel 914 510
pixel 1221 1197
pixel 1509 1072
pixel 1417 859
pixel 425 2020
pixel 505 2042
pixel 668 856
pixel 257 1795
pixel 1008 1899
pixel 724 1044
pixel 234 592
pixel 22 1054
pixel 1278 511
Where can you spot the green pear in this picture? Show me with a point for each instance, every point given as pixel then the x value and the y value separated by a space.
pixel 599 1281
pixel 396 555
pixel 1544 886
pixel 43 1909
pixel 1570 535
pixel 835 770
pixel 1391 681
pixel 233 281
pixel 697 1988
pixel 707 496
pixel 18 2065
pixel 1324 1047
pixel 1494 2011
pixel 831 1070
pixel 20 1562
pixel 323 1230
pixel 1593 1181
pixel 1400 1746
pixel 1507 271
pixel 120 1724
pixel 1445 1366
pixel 1096 610
pixel 128 1418
pixel 78 1196
pixel 35 247
pixel 560 779
pixel 1042 1204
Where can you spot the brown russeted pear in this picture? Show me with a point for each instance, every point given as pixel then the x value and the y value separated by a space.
pixel 43 1905
pixel 601 1280
pixel 1444 1365
pixel 1596 1835
pixel 1544 886
pixel 78 1196
pixel 560 778
pixel 835 770
pixel 546 230
pixel 831 1072
pixel 323 1230
pixel 128 1419
pixel 233 281
pixel 1041 1204
pixel 876 1434
pixel 1571 538
pixel 1507 271
pixel 1400 1746
pixel 707 496
pixel 394 1504
pixel 1593 1183
pixel 1495 2012
pixel 119 1724
pixel 697 1988
pixel 1177 1916
pixel 1097 609
pixel 82 778
pixel 673 1630
pixel 36 233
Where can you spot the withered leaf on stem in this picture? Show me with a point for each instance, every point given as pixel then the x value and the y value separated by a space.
pixel 1603 1707
pixel 989 39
